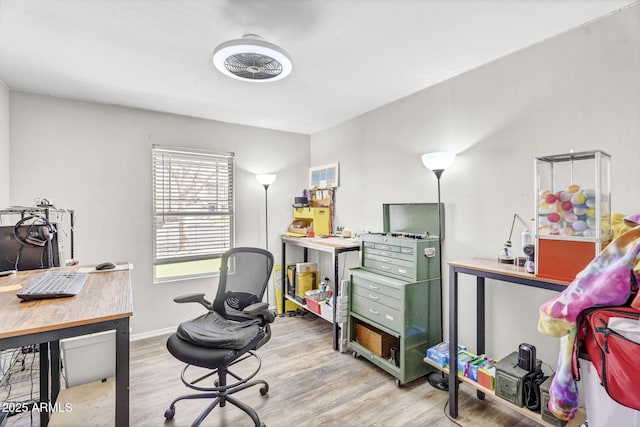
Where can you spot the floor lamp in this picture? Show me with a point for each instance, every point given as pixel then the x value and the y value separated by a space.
pixel 266 180
pixel 437 162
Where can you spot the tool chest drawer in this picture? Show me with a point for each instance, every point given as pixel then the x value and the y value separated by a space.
pixel 376 312
pixel 371 295
pixel 404 258
pixel 362 284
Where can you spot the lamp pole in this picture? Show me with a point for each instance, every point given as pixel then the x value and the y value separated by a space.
pixel 437 162
pixel 266 217
pixel 266 180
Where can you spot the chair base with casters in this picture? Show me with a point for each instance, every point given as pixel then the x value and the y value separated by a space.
pixel 221 393
pixel 235 325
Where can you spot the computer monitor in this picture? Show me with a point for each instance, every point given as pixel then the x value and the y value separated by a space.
pixel 15 256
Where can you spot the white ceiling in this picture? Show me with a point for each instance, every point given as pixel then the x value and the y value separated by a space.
pixel 349 56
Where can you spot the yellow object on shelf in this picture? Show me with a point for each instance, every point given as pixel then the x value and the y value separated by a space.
pixel 313 219
pixel 277 279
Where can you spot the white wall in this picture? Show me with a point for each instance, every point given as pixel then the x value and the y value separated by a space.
pixel 96 159
pixel 4 144
pixel 578 91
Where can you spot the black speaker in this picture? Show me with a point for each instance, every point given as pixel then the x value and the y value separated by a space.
pixel 527 357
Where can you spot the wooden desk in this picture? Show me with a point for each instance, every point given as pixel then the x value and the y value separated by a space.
pixel 483 269
pixel 331 245
pixel 104 303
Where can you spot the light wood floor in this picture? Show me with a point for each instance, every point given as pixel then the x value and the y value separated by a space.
pixel 310 385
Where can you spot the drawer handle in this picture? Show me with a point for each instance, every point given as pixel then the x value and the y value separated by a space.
pixel 402 270
pixel 386 254
pixel 373 311
pixel 385 267
pixel 386 260
pixel 373 287
pixel 373 297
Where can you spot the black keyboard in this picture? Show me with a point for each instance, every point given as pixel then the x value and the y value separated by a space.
pixel 54 285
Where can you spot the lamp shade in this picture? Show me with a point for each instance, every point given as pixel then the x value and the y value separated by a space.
pixel 439 160
pixel 266 179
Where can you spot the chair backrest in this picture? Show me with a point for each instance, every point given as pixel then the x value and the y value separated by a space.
pixel 244 276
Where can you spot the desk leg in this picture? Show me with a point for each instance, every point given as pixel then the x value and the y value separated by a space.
pixel 44 384
pixel 122 372
pixel 480 324
pixel 55 370
pixel 453 342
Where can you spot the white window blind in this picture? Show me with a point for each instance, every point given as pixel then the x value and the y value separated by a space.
pixel 193 204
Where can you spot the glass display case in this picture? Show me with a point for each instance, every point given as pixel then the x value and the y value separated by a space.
pixel 573 211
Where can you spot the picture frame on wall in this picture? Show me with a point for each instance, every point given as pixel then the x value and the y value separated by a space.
pixel 324 176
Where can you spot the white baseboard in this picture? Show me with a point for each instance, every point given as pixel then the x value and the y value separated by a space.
pixel 154 333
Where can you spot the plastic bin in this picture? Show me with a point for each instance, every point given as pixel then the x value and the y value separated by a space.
pixel 89 358
pixel 602 410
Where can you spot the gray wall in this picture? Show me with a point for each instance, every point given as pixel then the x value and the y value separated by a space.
pixel 578 91
pixel 96 160
pixel 4 144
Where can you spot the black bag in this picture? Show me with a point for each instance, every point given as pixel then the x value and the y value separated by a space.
pixel 531 389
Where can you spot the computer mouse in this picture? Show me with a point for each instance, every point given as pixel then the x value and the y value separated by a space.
pixel 105 266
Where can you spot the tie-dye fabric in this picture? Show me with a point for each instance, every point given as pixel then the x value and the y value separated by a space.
pixel 607 280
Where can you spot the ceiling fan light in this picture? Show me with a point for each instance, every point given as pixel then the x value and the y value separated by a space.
pixel 251 59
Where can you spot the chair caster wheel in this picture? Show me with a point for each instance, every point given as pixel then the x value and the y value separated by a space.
pixel 398 383
pixel 170 413
pixel 264 390
pixel 355 355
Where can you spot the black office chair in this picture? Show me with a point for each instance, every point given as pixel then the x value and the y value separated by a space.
pixel 237 322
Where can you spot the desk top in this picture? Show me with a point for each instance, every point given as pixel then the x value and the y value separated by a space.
pixel 328 244
pixel 491 266
pixel 105 296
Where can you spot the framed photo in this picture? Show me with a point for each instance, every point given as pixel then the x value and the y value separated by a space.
pixel 324 176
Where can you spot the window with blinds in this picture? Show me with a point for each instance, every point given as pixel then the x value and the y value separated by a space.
pixel 193 211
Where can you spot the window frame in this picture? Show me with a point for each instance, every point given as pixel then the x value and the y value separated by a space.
pixel 165 209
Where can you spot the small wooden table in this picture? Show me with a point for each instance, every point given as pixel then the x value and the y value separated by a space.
pixel 483 269
pixel 104 303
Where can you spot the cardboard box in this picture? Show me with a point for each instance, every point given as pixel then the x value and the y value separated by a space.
pixel 464 357
pixel 487 377
pixel 473 367
pixel 375 340
pixel 301 227
pixel 439 353
pixel 306 267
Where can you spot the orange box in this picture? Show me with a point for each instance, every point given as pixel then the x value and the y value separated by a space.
pixel 564 259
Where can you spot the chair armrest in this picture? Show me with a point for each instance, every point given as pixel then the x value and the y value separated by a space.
pixel 199 298
pixel 256 308
pixel 260 309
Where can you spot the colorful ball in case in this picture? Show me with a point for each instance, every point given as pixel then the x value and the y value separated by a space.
pixel 569 213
